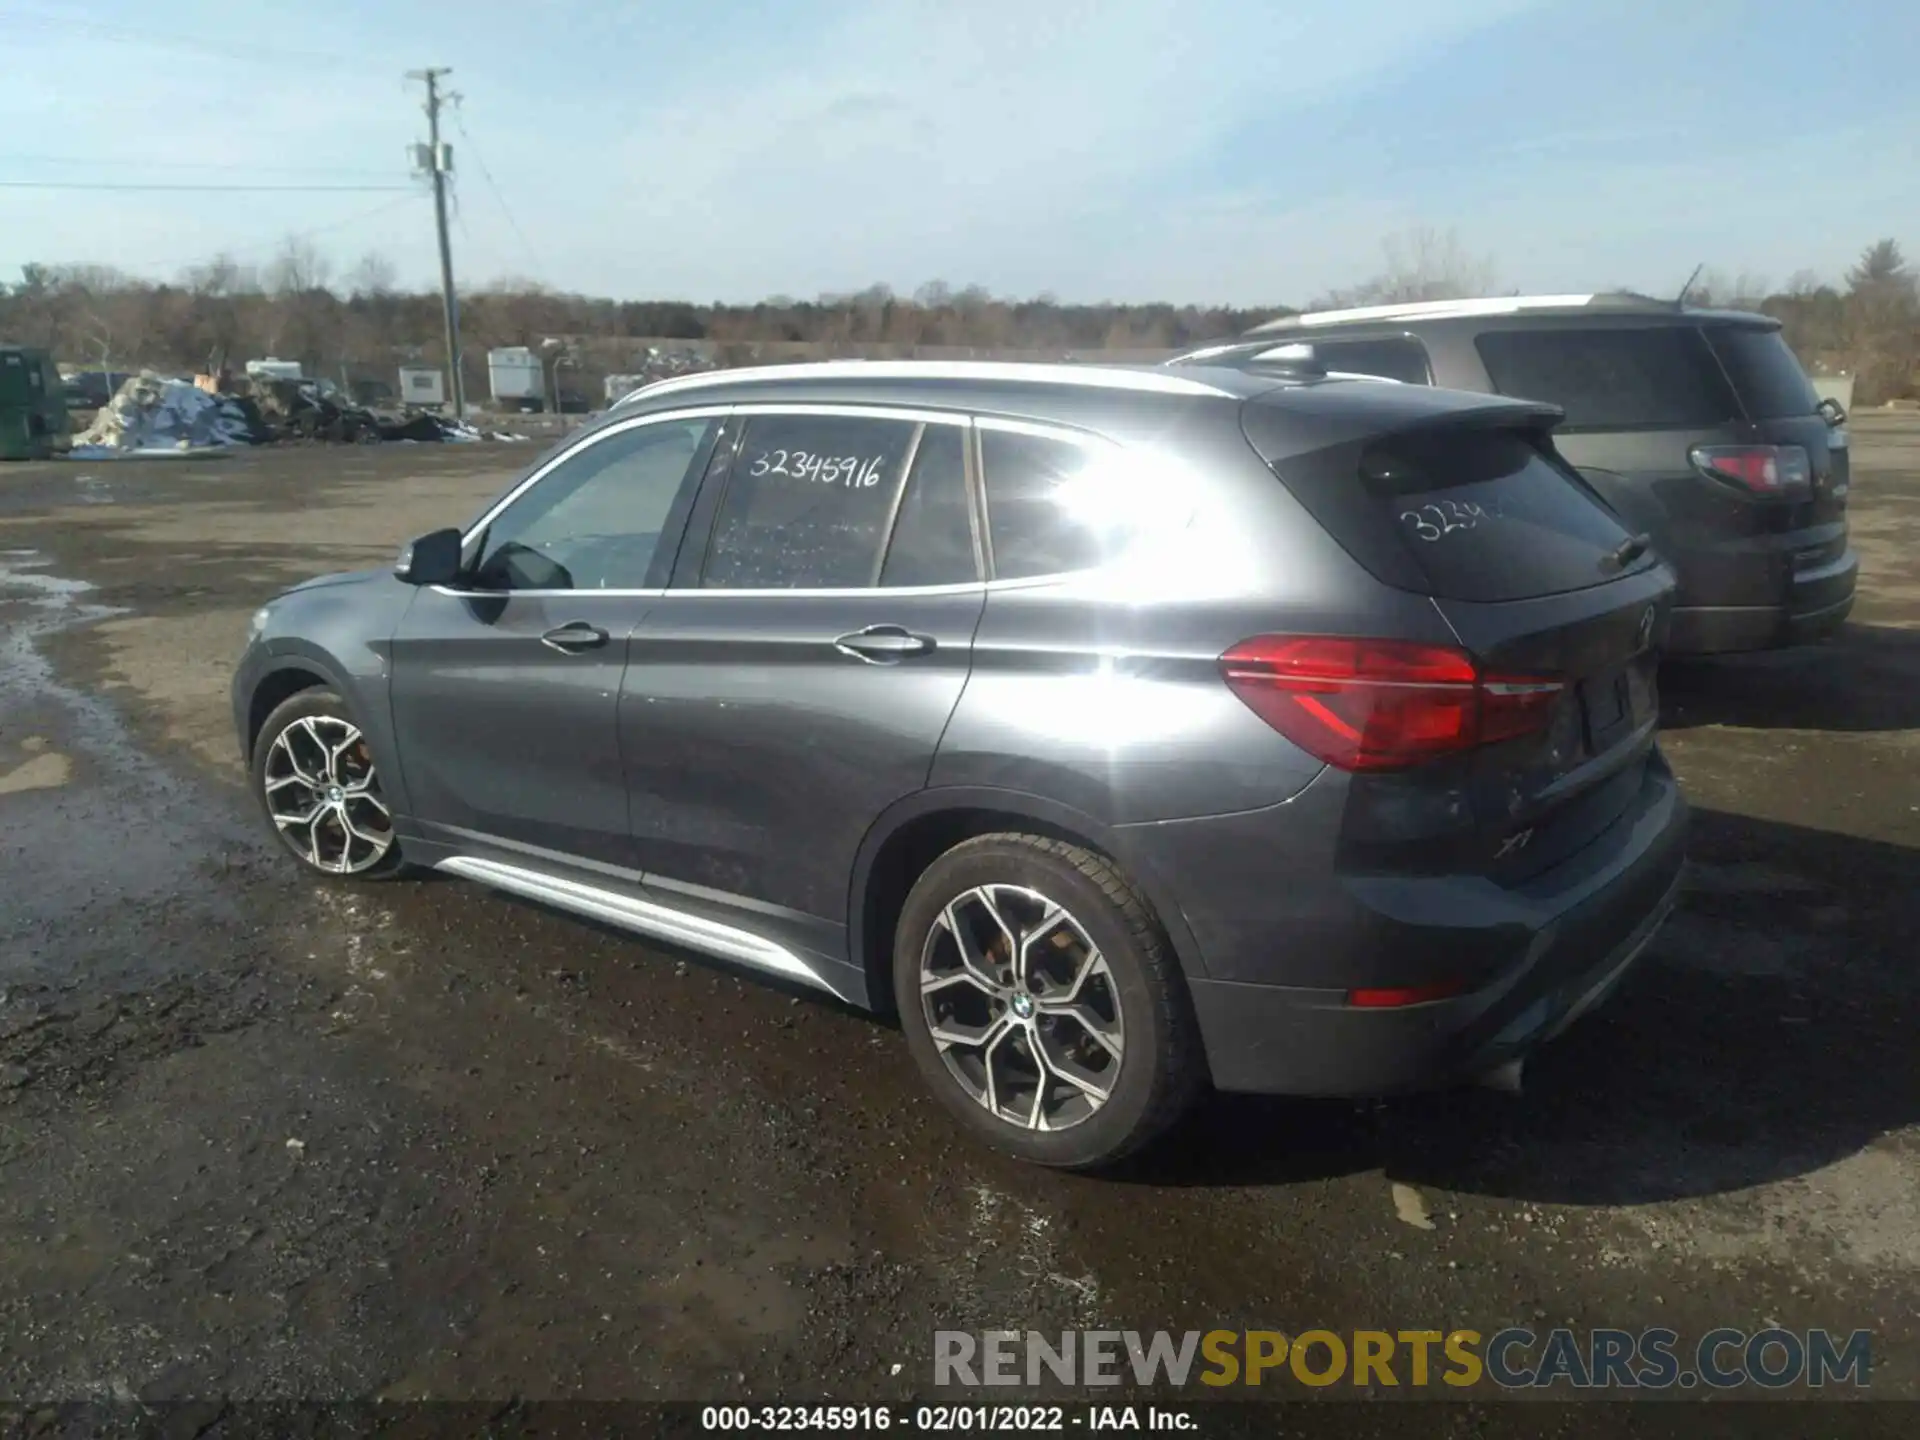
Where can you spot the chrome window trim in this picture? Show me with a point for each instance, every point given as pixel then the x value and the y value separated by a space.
pixel 964 587
pixel 544 594
pixel 698 412
pixel 1085 439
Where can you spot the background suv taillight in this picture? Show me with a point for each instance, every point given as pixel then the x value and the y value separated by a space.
pixel 1765 470
pixel 1383 704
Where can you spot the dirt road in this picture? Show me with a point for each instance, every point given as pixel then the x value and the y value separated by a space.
pixel 266 1139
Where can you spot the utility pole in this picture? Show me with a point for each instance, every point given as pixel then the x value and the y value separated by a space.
pixel 440 163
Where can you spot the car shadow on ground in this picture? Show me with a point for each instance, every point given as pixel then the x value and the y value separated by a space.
pixel 1866 678
pixel 1768 1033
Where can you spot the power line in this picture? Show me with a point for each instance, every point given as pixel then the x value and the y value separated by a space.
pixel 254 247
pixel 487 175
pixel 231 189
pixel 128 35
pixel 141 163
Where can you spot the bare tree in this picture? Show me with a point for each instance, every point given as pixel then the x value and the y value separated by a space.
pixel 372 277
pixel 298 269
pixel 1422 264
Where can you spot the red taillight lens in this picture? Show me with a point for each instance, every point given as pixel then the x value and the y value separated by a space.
pixel 1382 704
pixel 1766 470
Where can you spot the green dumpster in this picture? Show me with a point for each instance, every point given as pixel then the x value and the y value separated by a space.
pixel 33 406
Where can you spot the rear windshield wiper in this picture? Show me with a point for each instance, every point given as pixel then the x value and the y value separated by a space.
pixel 1628 551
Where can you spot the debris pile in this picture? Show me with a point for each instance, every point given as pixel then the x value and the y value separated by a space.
pixel 653 364
pixel 302 410
pixel 152 412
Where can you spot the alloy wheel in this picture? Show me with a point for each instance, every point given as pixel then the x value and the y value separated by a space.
pixel 323 795
pixel 1022 1007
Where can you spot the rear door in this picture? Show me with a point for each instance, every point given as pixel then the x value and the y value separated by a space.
pixel 796 679
pixel 1550 594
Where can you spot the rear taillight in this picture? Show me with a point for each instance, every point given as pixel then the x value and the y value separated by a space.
pixel 1382 704
pixel 1764 470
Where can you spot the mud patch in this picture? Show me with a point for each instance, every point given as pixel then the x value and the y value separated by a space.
pixel 42 772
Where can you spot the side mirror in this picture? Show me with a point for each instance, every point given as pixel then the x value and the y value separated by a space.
pixel 433 559
pixel 1833 412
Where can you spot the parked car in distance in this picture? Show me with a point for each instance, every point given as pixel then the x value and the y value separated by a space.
pixel 1698 426
pixel 1122 730
pixel 92 389
pixel 34 423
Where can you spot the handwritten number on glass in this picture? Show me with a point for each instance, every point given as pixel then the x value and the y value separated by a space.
pixel 851 472
pixel 1443 517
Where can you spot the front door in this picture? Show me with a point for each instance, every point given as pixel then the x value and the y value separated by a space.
pixel 506 687
pixel 798 677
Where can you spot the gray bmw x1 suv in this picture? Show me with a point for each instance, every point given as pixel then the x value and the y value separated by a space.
pixel 1124 731
pixel 1698 426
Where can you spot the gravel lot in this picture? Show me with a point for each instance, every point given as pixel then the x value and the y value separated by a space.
pixel 264 1139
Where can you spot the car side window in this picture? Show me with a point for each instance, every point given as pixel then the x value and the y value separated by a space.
pixel 1394 357
pixel 594 521
pixel 810 499
pixel 932 540
pixel 1055 505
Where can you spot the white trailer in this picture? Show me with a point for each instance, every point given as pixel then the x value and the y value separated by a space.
pixel 422 385
pixel 517 376
pixel 272 369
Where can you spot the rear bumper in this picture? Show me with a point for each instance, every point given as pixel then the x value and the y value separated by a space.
pixel 1580 926
pixel 1817 604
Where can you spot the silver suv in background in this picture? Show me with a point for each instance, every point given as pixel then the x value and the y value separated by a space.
pixel 1697 426
pixel 1122 731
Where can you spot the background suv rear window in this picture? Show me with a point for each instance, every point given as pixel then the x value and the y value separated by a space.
pixel 1771 383
pixel 1395 357
pixel 1613 379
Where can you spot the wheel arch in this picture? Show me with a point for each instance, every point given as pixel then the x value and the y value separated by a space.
pixel 283 679
pixel 365 693
pixel 917 830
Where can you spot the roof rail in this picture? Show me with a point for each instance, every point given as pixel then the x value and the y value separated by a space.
pixel 1106 377
pixel 1426 309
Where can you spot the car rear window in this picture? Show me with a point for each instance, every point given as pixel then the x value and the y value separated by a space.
pixel 1490 515
pixel 1459 512
pixel 1771 383
pixel 1611 378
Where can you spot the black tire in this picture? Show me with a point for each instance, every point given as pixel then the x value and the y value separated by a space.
pixel 324 705
pixel 1161 1068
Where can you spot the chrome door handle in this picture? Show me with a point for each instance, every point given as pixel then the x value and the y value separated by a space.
pixel 573 637
pixel 884 644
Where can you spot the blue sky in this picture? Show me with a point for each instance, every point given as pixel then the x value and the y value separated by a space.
pixel 1242 151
